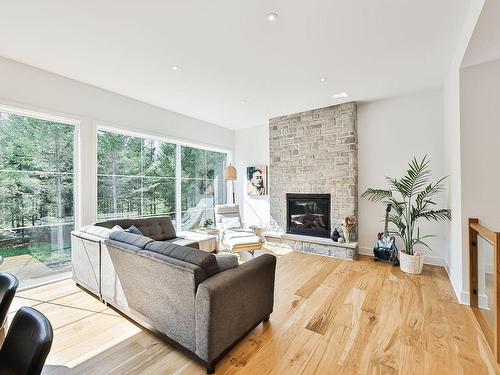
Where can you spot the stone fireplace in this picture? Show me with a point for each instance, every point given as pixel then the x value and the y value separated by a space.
pixel 315 152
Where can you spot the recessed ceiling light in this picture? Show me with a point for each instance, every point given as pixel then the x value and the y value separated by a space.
pixel 341 95
pixel 323 79
pixel 243 102
pixel 272 17
pixel 175 67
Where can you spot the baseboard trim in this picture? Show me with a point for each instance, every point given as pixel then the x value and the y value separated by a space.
pixel 462 297
pixel 428 259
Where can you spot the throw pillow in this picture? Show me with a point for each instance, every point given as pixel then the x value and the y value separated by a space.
pixel 231 223
pixel 116 228
pixel 97 231
pixel 226 261
pixel 135 230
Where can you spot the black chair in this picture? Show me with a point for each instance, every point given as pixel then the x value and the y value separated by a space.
pixel 8 287
pixel 27 343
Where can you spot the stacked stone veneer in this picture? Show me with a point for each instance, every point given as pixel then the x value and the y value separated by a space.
pixel 315 152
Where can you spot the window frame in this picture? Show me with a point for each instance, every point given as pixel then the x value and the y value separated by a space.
pixel 71 120
pixel 178 142
pixel 66 120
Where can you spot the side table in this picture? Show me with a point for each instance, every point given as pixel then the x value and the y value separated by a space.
pixel 208 241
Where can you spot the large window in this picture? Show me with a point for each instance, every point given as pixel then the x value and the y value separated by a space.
pixel 36 197
pixel 135 176
pixel 139 177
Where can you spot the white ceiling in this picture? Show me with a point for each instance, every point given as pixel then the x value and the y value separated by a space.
pixel 228 52
pixel 484 44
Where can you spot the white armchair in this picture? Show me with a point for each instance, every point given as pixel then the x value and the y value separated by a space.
pixel 233 234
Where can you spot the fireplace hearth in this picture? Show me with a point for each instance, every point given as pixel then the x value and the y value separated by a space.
pixel 308 214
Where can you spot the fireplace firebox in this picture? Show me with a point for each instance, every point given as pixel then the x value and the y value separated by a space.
pixel 308 214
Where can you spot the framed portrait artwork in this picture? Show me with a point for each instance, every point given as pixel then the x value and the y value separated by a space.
pixel 257 180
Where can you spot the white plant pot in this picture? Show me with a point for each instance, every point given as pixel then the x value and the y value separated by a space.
pixel 411 264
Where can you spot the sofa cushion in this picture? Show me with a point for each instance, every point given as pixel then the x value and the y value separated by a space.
pixel 123 245
pixel 158 228
pixel 199 273
pixel 130 238
pixel 133 229
pixel 199 258
pixel 96 231
pixel 226 261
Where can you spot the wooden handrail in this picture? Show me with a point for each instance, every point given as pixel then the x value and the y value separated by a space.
pixel 492 334
pixel 483 231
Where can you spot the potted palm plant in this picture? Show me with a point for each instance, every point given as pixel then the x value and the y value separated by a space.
pixel 411 197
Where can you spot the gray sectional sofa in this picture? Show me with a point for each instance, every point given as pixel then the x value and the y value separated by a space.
pixel 158 228
pixel 185 295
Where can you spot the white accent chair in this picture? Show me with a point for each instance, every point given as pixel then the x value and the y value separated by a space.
pixel 233 234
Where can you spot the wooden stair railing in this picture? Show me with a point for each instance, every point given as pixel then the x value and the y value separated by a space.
pixel 492 334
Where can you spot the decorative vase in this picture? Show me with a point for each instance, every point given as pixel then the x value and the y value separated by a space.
pixel 347 237
pixel 411 264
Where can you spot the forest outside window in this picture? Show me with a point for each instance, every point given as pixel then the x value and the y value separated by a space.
pixel 36 197
pixel 136 177
pixel 139 177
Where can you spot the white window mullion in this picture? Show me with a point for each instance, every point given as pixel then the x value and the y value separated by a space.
pixel 178 186
pixel 142 177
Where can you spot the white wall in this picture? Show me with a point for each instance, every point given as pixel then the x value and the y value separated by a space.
pixel 456 257
pixel 479 131
pixel 33 89
pixel 390 133
pixel 480 137
pixel 451 147
pixel 251 148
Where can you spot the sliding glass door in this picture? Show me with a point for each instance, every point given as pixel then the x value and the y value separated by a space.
pixel 202 185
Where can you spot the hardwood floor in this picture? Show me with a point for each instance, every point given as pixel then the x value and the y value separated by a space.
pixel 331 317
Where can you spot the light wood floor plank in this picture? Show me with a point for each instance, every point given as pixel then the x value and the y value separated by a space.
pixel 331 317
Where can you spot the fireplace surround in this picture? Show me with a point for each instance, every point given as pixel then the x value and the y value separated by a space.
pixel 308 214
pixel 315 152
